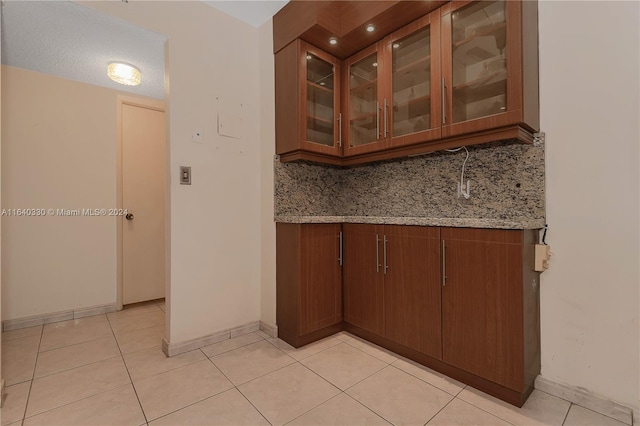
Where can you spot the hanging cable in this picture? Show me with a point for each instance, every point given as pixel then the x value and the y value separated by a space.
pixel 464 189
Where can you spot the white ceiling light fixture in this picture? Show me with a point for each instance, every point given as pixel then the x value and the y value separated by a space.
pixel 124 73
pixel 370 28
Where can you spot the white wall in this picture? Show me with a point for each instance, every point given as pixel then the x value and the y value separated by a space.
pixel 589 111
pixel 215 223
pixel 58 151
pixel 268 141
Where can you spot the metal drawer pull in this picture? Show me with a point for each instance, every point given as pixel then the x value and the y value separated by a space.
pixel 377 253
pixel 340 258
pixel 444 264
pixel 385 255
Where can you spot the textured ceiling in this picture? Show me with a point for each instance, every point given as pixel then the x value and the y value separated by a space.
pixel 76 42
pixel 254 13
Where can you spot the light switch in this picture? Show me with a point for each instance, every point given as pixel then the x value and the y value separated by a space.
pixel 185 175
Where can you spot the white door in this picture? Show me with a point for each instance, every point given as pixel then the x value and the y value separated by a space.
pixel 143 193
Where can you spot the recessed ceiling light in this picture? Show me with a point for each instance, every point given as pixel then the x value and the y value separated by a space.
pixel 333 41
pixel 396 45
pixel 322 83
pixel 375 64
pixel 123 73
pixel 371 28
pixel 308 56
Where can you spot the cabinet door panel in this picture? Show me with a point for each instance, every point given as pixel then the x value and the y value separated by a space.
pixel 482 307
pixel 363 277
pixel 482 65
pixel 412 288
pixel 320 289
pixel 414 89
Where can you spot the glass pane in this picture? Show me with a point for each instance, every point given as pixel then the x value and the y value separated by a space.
pixel 363 94
pixel 412 83
pixel 479 60
pixel 320 116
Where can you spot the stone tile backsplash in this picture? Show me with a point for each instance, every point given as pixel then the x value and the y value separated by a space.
pixel 507 184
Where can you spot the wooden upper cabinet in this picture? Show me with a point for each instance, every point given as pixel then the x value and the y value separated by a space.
pixel 489 65
pixel 308 114
pixel 363 99
pixel 463 74
pixel 391 90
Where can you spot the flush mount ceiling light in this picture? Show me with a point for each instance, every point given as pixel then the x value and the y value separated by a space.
pixel 370 28
pixel 124 73
pixel 333 41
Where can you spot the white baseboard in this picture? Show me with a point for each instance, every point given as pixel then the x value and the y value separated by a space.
pixel 172 349
pixel 584 398
pixel 15 324
pixel 270 329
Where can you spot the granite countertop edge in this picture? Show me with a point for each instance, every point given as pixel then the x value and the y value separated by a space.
pixel 460 222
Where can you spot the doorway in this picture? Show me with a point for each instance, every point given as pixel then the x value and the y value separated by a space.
pixel 142 201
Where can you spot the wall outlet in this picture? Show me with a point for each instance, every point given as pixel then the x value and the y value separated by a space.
pixel 464 192
pixel 543 254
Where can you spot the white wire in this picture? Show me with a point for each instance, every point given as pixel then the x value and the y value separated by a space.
pixel 466 194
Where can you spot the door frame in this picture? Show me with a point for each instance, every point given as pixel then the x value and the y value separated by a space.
pixel 156 105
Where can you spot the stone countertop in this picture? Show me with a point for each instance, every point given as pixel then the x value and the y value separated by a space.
pixel 525 223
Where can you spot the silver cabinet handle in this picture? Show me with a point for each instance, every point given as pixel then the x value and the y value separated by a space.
pixel 340 258
pixel 385 255
pixel 444 264
pixel 377 253
pixel 386 132
pixel 340 135
pixel 444 101
pixel 377 120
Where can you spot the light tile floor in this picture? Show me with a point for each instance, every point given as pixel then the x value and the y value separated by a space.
pixel 110 370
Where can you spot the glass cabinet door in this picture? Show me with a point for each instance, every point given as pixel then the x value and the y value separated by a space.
pixel 320 100
pixel 479 60
pixel 364 120
pixel 411 83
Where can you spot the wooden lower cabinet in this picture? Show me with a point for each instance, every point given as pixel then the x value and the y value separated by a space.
pixel 490 305
pixel 392 283
pixel 308 281
pixel 363 282
pixel 412 288
pixel 462 301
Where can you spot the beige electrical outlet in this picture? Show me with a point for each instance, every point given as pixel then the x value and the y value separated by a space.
pixel 543 254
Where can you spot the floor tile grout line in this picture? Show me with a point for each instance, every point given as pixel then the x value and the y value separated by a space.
pixel 483 409
pixel 438 412
pixel 35 364
pixel 228 340
pixel 78 343
pixel 355 347
pixel 77 366
pixel 308 356
pixel 257 377
pixel 240 392
pixel 74 402
pixel 379 415
pixel 567 414
pixel 424 381
pixel 133 386
pixel 188 405
pixel 238 389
